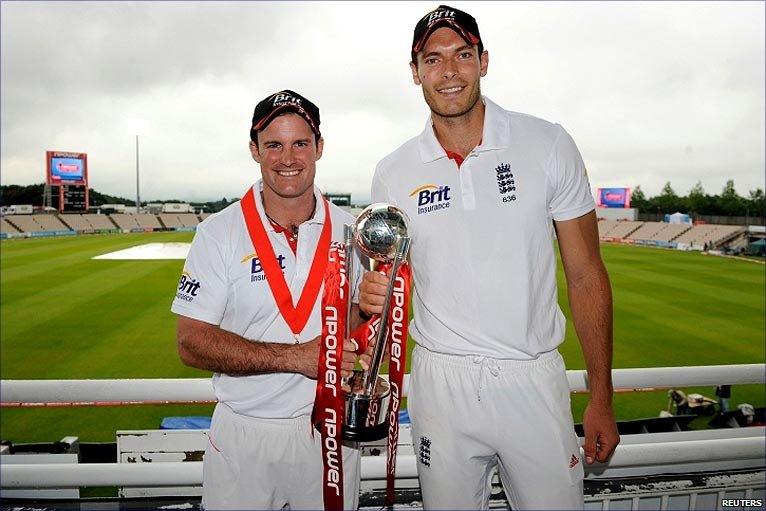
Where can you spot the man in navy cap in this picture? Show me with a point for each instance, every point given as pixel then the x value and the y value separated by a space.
pixel 249 310
pixel 484 189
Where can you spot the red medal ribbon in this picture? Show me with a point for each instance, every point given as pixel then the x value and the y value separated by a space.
pixel 295 316
pixel 329 405
pixel 397 338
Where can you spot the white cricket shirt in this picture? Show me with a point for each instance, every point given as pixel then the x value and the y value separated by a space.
pixel 482 249
pixel 223 284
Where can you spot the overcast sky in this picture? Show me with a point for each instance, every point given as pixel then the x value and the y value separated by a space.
pixel 650 92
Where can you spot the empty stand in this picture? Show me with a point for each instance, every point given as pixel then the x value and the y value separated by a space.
pixel 87 223
pixel 604 226
pixel 647 231
pixel 24 223
pixel 77 223
pixel 50 223
pixel 124 221
pixel 188 219
pixel 7 228
pixel 148 221
pixel 99 222
pixel 36 223
pixel 170 220
pixel 671 232
pixel 713 235
pixel 623 229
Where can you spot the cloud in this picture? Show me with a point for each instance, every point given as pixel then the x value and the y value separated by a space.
pixel 650 91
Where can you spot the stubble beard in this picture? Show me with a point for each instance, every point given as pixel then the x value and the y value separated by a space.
pixel 433 104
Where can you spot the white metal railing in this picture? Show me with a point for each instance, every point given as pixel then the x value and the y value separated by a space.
pixel 718 448
pixel 721 446
pixel 200 390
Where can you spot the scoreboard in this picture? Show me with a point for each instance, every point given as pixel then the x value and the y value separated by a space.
pixel 67 173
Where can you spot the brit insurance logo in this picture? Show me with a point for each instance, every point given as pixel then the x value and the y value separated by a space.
pixel 188 287
pixel 432 198
pixel 506 183
pixel 256 270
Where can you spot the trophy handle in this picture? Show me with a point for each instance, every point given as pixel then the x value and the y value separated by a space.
pixel 348 240
pixel 371 376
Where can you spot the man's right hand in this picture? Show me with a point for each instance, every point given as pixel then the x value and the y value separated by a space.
pixel 372 292
pixel 307 357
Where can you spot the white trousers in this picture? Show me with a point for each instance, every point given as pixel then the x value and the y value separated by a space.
pixel 472 415
pixel 269 464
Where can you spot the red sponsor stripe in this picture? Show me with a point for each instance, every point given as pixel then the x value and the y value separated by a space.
pixel 329 405
pixel 397 338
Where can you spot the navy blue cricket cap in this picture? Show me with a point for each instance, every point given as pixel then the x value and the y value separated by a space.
pixel 282 102
pixel 445 16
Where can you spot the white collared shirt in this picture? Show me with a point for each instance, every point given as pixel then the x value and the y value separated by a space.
pixel 233 293
pixel 482 253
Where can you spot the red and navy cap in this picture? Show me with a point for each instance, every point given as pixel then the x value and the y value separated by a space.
pixel 279 103
pixel 446 16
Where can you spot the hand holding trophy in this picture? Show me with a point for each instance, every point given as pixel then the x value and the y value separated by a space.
pixel 366 407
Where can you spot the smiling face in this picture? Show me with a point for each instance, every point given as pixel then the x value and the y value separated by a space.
pixel 448 69
pixel 287 153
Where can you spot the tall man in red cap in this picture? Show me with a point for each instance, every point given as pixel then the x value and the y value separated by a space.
pixel 484 189
pixel 249 303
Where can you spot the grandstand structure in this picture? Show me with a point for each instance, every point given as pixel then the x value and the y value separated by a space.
pixel 662 234
pixel 25 226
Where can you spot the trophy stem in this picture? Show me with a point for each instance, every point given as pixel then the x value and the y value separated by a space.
pixel 371 376
pixel 348 239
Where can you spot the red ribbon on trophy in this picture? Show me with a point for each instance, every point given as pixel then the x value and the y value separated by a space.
pixel 333 402
pixel 398 318
pixel 397 345
pixel 329 405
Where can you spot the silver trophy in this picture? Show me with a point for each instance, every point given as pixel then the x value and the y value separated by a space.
pixel 380 233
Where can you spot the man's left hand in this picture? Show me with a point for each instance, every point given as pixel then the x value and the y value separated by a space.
pixel 601 437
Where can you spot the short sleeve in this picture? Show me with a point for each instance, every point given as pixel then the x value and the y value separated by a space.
pixel 379 191
pixel 202 289
pixel 568 187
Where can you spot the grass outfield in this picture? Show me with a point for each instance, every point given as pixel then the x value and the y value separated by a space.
pixel 66 316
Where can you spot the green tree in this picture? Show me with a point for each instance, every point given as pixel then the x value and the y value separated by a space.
pixel 667 201
pixel 756 204
pixel 695 201
pixel 729 202
pixel 638 200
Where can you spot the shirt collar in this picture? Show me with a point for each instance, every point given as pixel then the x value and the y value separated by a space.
pixel 318 217
pixel 494 135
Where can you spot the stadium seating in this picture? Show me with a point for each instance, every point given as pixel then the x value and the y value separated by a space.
pixel 50 223
pixel 671 231
pixel 188 219
pixel 647 231
pixel 179 220
pixel 87 223
pixel 710 234
pixel 170 220
pixel 76 223
pixel 7 228
pixel 622 229
pixel 99 222
pixel 124 221
pixel 24 223
pixel 203 216
pixel 658 232
pixel 36 223
pixel 148 221
pixel 604 226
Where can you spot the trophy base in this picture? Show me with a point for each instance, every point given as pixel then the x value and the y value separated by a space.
pixel 365 434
